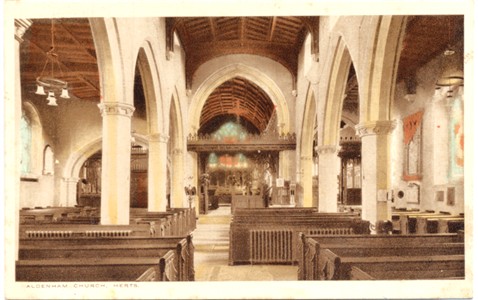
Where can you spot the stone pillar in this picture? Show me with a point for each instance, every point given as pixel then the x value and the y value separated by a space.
pixel 306 166
pixel 376 169
pixel 329 169
pixel 116 162
pixel 177 184
pixel 13 115
pixel 71 190
pixel 157 172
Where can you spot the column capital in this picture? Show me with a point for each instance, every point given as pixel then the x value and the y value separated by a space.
pixel 375 128
pixel 158 137
pixel 116 108
pixel 327 149
pixel 21 26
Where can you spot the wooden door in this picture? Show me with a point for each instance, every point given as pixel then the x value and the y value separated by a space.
pixel 139 189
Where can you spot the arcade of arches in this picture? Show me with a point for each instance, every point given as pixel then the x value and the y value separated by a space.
pixel 345 113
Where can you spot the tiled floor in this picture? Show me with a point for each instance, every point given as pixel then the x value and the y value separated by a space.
pixel 211 240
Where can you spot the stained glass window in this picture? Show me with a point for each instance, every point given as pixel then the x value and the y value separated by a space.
pixel 457 138
pixel 230 132
pixel 26 139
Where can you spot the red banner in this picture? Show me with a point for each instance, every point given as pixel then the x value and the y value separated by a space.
pixel 410 126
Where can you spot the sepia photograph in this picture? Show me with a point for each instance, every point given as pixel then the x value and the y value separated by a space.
pixel 238 149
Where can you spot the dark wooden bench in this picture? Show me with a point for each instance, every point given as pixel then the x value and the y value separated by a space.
pixel 178 267
pixel 69 230
pixel 74 215
pixel 439 224
pixel 323 256
pixel 408 222
pixel 262 239
pixel 177 221
pixel 93 269
pixel 395 267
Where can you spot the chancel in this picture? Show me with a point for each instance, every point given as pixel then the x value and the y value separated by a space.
pixel 239 148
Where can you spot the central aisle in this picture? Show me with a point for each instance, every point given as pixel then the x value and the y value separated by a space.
pixel 211 241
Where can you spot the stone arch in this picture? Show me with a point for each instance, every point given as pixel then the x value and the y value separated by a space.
pixel 147 64
pixel 306 149
pixel 378 85
pixel 77 158
pixel 250 73
pixel 335 94
pixel 108 54
pixel 176 151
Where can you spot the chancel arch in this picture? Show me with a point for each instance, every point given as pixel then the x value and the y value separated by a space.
pixel 250 73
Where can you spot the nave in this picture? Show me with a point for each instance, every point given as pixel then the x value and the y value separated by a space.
pixel 211 241
pixel 176 139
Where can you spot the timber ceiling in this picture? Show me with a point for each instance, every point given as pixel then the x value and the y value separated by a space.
pixel 425 38
pixel 204 38
pixel 76 55
pixel 278 38
pixel 241 98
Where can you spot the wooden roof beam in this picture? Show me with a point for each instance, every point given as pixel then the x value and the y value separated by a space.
pixel 78 43
pixel 272 28
pixel 213 29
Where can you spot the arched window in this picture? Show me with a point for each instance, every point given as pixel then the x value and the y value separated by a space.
pixel 48 161
pixel 457 138
pixel 26 138
pixel 32 145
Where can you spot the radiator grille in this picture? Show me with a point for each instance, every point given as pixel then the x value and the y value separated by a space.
pixel 271 246
pixel 108 233
pixel 331 231
pixel 39 234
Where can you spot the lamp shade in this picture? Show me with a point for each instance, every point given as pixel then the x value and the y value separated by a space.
pixel 451 78
pixel 64 94
pixel 51 99
pixel 40 90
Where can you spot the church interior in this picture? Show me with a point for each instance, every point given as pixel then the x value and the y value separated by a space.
pixel 295 148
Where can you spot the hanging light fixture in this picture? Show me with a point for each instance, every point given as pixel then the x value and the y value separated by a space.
pixel 452 68
pixel 47 84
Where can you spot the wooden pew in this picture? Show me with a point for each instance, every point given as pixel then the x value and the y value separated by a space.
pixel 83 230
pixel 396 267
pixel 272 239
pixel 330 257
pixel 93 269
pixel 408 222
pixel 396 213
pixel 175 221
pixel 76 215
pixel 439 223
pixel 178 267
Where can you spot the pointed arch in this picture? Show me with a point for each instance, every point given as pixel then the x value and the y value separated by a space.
pixel 381 69
pixel 249 73
pixel 176 151
pixel 307 148
pixel 335 94
pixel 145 61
